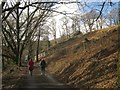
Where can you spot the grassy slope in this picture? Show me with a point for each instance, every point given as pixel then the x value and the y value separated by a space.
pixel 93 66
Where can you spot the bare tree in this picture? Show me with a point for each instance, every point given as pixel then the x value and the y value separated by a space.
pixel 113 16
pixel 76 25
pixel 89 19
pixel 98 19
pixel 17 37
pixel 66 26
pixel 52 29
pixel 21 32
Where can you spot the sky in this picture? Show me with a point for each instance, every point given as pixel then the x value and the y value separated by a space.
pixel 73 8
pixel 66 0
pixel 69 8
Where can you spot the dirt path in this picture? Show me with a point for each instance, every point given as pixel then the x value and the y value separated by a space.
pixel 43 82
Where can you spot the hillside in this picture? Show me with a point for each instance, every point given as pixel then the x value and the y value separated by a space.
pixel 87 63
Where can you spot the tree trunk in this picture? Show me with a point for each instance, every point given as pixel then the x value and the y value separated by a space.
pixel 30 50
pixel 37 51
pixel 3 63
pixel 55 41
pixel 18 40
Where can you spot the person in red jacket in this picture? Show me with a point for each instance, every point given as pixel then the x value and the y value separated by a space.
pixel 30 66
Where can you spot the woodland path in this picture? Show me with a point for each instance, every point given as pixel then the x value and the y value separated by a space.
pixel 41 82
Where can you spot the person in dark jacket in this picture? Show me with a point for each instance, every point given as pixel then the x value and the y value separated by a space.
pixel 43 66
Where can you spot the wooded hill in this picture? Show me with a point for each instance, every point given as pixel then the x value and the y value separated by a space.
pixel 88 60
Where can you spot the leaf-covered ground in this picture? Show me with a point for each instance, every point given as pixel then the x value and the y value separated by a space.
pixel 87 64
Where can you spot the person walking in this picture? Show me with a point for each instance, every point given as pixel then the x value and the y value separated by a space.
pixel 30 66
pixel 43 66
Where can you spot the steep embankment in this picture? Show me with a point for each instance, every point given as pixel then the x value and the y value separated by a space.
pixel 92 63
